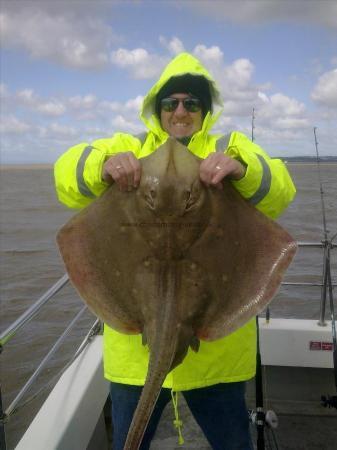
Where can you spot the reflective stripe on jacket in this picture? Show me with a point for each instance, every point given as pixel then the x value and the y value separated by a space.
pixel 266 184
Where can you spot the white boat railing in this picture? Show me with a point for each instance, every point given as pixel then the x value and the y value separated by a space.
pixel 11 331
pixel 31 312
pixel 327 282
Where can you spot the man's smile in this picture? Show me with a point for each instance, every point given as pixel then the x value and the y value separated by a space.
pixel 181 123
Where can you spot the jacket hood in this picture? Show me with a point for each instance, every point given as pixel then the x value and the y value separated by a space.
pixel 182 64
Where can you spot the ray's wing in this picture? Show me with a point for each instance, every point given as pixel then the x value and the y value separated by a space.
pixel 101 247
pixel 244 255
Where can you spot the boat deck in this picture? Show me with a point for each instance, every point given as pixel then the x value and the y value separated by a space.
pixel 303 425
pixel 72 419
pixel 295 432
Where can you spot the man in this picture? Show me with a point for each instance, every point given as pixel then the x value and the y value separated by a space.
pixel 181 104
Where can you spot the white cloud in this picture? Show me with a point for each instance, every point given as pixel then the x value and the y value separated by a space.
pixel 262 96
pixel 120 123
pixel 139 62
pixel 52 107
pixel 174 46
pixel 279 111
pixel 83 107
pixel 210 56
pixel 3 91
pixel 110 106
pixel 238 75
pixel 130 107
pixel 13 125
pixel 234 79
pixel 80 107
pixel 26 96
pixel 27 99
pixel 59 130
pixel 325 91
pixel 253 12
pixel 288 123
pixel 236 85
pixel 277 115
pixel 58 34
pixel 84 102
pixel 94 132
pixel 134 104
pixel 279 118
pixel 282 104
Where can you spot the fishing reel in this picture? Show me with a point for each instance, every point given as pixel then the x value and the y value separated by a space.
pixel 259 417
pixel 329 401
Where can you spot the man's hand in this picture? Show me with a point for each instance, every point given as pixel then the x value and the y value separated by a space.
pixel 217 166
pixel 124 169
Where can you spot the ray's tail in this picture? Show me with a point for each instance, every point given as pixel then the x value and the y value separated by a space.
pixel 163 346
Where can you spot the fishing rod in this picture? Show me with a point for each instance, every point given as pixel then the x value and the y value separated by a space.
pixel 329 401
pixel 260 418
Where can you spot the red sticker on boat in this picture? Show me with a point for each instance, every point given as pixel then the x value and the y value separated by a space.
pixel 315 345
pixel 318 345
pixel 327 346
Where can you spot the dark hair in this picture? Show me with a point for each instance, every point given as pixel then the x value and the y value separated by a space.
pixel 195 85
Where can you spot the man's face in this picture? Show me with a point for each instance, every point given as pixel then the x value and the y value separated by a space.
pixel 181 123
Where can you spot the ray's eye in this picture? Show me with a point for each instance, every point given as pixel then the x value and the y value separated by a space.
pixel 150 197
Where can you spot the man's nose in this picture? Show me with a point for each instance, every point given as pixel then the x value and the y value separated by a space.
pixel 180 110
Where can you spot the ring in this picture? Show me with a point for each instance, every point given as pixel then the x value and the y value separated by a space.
pixel 118 167
pixel 218 167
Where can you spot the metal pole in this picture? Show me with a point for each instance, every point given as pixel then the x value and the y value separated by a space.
pixel 260 416
pixel 326 261
pixel 94 330
pixel 326 264
pixel 333 324
pixel 315 244
pixel 31 312
pixel 298 283
pixel 3 445
pixel 321 188
pixel 327 280
pixel 31 380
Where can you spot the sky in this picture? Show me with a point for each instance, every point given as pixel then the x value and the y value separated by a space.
pixel 74 71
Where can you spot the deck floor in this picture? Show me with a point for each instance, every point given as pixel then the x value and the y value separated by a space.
pixel 295 432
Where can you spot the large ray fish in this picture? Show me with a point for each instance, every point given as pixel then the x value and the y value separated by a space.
pixel 175 261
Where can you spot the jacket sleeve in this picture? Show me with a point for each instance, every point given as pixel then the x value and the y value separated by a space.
pixel 267 183
pixel 78 172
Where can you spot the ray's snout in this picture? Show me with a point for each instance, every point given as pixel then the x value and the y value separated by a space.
pixel 164 199
pixel 174 216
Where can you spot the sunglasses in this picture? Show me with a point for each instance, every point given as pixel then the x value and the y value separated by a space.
pixel 170 104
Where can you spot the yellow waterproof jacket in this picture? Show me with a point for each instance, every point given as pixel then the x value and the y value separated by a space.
pixel 266 184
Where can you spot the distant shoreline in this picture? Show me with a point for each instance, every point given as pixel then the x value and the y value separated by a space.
pixel 25 166
pixel 309 163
